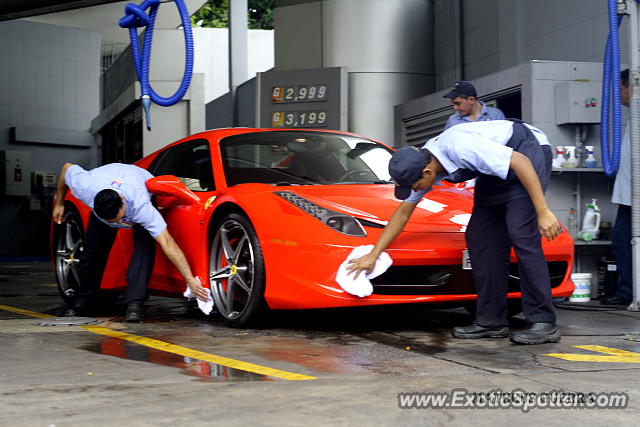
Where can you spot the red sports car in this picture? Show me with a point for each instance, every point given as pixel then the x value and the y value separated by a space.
pixel 269 215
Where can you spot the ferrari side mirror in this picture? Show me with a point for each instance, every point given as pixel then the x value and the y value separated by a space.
pixel 171 186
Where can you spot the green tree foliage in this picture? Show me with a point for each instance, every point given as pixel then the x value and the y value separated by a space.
pixel 215 14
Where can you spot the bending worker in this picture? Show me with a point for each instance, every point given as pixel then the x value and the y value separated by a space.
pixel 513 164
pixel 119 198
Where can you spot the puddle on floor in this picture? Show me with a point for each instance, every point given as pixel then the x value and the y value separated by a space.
pixel 204 371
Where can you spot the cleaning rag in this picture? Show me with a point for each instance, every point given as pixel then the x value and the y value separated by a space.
pixel 204 306
pixel 361 286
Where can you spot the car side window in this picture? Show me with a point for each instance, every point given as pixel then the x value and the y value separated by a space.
pixel 190 162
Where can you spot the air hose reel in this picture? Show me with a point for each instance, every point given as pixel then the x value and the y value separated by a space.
pixel 136 17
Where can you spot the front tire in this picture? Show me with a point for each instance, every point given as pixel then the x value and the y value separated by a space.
pixel 69 244
pixel 236 267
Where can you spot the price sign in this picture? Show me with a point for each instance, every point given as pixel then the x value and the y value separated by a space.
pixel 299 119
pixel 303 93
pixel 303 98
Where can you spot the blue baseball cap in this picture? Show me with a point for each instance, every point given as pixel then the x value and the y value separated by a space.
pixel 461 87
pixel 405 167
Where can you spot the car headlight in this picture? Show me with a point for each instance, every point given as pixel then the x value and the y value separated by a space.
pixel 343 223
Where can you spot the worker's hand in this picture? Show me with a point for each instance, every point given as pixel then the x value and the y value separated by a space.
pixel 197 289
pixel 58 213
pixel 364 264
pixel 548 225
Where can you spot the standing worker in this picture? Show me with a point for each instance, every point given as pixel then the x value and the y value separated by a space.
pixel 621 236
pixel 119 198
pixel 513 164
pixel 468 108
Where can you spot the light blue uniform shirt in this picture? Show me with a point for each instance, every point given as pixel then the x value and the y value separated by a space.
pixel 486 113
pixel 475 146
pixel 127 180
pixel 622 185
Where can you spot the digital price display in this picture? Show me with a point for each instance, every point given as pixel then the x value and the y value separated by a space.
pixel 298 119
pixel 298 93
pixel 303 98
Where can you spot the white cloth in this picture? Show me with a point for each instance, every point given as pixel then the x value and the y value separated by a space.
pixel 204 306
pixel 361 286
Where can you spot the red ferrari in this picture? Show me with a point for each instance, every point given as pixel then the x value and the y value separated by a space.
pixel 269 215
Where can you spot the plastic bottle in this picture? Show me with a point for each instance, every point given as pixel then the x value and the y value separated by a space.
pixel 571 161
pixel 559 159
pixel 591 222
pixel 590 161
pixel 572 223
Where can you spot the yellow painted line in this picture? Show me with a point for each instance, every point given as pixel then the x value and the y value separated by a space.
pixel 25 312
pixel 615 355
pixel 53 285
pixel 176 349
pixel 195 354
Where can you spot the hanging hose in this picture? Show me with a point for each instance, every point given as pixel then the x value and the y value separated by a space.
pixel 136 17
pixel 611 86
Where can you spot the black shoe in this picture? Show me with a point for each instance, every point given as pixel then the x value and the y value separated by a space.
pixel 135 312
pixel 538 333
pixel 614 301
pixel 477 331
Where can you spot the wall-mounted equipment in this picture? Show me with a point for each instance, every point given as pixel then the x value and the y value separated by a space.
pixel 578 102
pixel 16 173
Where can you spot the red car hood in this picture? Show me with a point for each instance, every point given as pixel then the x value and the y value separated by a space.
pixel 444 209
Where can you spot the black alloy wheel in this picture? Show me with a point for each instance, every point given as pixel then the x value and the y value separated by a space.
pixel 69 244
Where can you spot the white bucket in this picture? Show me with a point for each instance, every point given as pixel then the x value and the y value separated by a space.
pixel 582 292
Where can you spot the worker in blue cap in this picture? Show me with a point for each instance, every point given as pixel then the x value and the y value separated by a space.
pixel 512 161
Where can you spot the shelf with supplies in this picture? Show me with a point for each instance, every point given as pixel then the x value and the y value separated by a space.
pixel 560 170
pixel 591 242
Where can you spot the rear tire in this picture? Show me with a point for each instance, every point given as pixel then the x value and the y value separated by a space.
pixel 236 271
pixel 68 247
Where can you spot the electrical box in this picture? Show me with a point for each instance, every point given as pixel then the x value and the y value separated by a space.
pixel 43 179
pixel 17 173
pixel 578 102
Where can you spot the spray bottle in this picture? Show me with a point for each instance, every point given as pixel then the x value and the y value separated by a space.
pixel 590 161
pixel 571 161
pixel 559 159
pixel 572 223
pixel 591 222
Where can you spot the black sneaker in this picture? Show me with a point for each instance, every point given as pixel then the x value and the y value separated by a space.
pixel 135 312
pixel 538 333
pixel 476 331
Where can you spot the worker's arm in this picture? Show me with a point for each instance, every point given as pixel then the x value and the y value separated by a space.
pixel 394 227
pixel 176 256
pixel 61 190
pixel 547 221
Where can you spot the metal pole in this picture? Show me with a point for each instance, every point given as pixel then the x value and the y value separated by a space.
pixel 634 82
pixel 238 61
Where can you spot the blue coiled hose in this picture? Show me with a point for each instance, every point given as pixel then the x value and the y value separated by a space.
pixel 135 17
pixel 611 86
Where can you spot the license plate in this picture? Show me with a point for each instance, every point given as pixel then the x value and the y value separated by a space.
pixel 466 260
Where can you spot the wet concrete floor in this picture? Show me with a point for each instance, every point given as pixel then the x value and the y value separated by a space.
pixel 360 359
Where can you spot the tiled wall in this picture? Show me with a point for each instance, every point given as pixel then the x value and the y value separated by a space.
pixel 49 81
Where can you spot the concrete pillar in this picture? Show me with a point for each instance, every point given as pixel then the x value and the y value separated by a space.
pixel 384 44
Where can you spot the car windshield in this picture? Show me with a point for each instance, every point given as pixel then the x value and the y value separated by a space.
pixel 302 157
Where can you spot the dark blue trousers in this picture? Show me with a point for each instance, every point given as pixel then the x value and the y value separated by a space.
pixel 621 245
pixel 491 232
pixel 99 239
